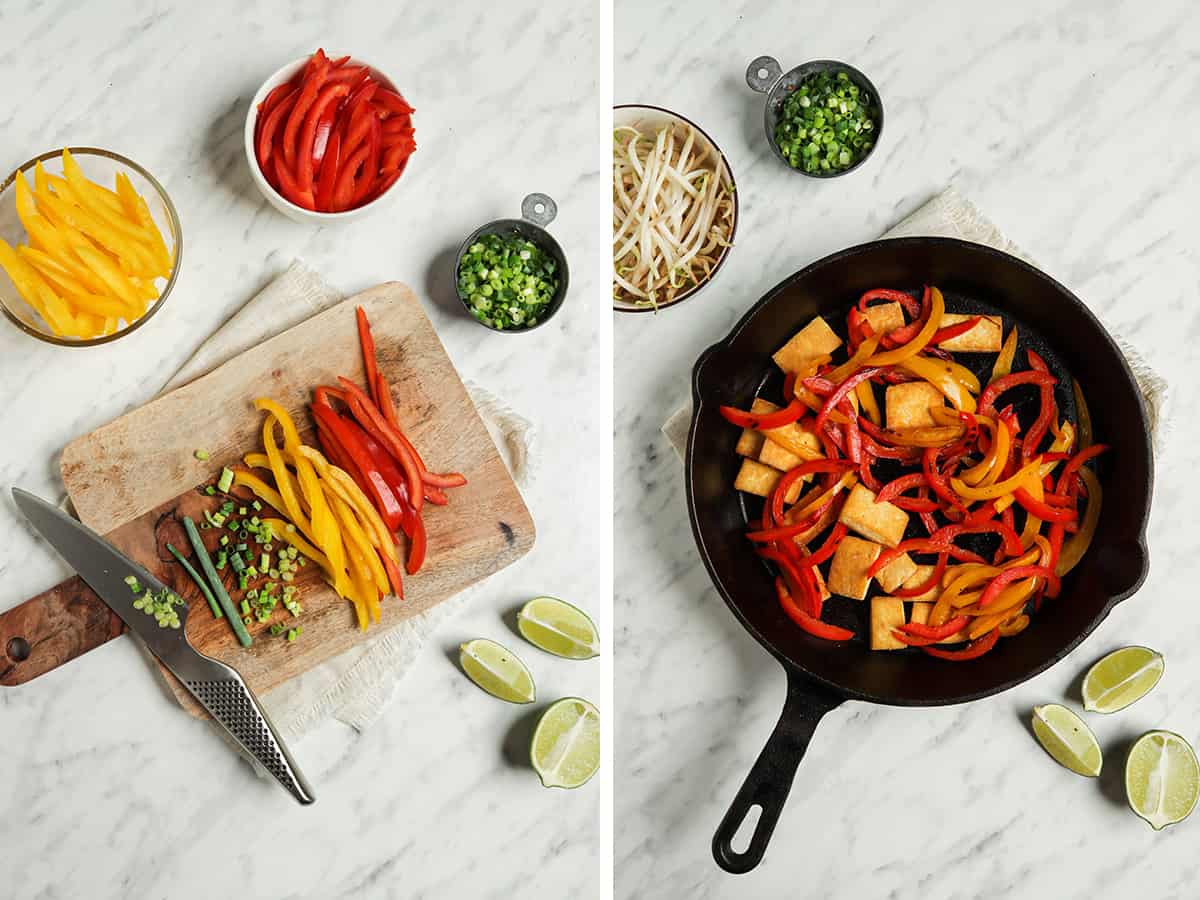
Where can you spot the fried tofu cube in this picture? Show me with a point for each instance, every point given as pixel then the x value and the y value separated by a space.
pixel 885 317
pixel 919 613
pixel 848 570
pixel 771 454
pixel 879 522
pixel 986 337
pixel 887 613
pixel 908 405
pixel 920 576
pixel 895 573
pixel 755 478
pixel 797 439
pixel 814 339
pixel 750 443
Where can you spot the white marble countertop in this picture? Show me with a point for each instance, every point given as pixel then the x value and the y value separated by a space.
pixel 106 788
pixel 1070 126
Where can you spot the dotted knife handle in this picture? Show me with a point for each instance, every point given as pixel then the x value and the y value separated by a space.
pixel 237 710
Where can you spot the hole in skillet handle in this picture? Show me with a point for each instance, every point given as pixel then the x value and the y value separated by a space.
pixel 18 649
pixel 766 788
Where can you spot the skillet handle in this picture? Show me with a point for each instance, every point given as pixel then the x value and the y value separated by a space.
pixel 770 779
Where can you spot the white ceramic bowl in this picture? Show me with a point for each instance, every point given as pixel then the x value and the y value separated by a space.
pixel 277 200
pixel 652 118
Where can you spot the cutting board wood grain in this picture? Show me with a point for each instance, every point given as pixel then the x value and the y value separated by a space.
pixel 134 479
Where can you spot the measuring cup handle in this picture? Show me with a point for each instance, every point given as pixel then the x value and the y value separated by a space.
pixel 539 209
pixel 756 78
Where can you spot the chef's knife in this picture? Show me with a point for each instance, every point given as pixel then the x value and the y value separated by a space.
pixel 218 687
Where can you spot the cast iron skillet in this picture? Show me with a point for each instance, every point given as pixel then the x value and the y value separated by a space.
pixel 820 674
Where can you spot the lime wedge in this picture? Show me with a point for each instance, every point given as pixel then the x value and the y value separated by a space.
pixel 497 671
pixel 1065 737
pixel 1162 778
pixel 565 750
pixel 558 628
pixel 1121 678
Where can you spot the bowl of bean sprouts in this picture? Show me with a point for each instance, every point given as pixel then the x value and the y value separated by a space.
pixel 675 208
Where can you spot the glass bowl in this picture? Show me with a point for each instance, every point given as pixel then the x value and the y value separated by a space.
pixel 102 167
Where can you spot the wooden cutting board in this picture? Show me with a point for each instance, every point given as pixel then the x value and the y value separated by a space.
pixel 134 479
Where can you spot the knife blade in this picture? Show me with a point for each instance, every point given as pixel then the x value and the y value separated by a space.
pixel 218 687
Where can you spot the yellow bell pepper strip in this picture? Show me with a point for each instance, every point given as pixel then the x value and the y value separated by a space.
pixel 926 435
pixel 945 378
pixel 1014 626
pixel 37 292
pixel 260 489
pixel 1023 478
pixel 1084 415
pixel 136 208
pixel 26 206
pixel 1078 543
pixel 345 487
pixel 114 279
pixel 322 530
pixel 857 360
pixel 357 539
pixel 79 181
pixel 59 276
pixel 83 221
pixel 289 534
pixel 989 468
pixel 866 399
pixel 906 351
pixel 106 209
pixel 1004 359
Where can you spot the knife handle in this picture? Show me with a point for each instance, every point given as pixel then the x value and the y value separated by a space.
pixel 53 628
pixel 238 711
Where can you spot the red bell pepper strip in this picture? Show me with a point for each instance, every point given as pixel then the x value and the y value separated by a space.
pixel 928 522
pixel 265 141
pixel 790 477
pixel 866 475
pixel 358 122
pixel 392 103
pixel 329 96
pixel 388 408
pixel 1042 510
pixel 790 413
pixel 973 650
pixel 432 480
pixel 982 514
pixel 840 393
pixel 783 532
pixel 812 625
pixel 1012 541
pixel 343 189
pixel 921 545
pixel 827 549
pixel 910 303
pixel 373 422
pixel 314 80
pixel 365 182
pixel 936 632
pixel 997 584
pixel 378 489
pixel 385 182
pixel 938 482
pixel 290 188
pixel 1047 413
pixel 1076 461
pixel 987 400
pixel 908 332
pixel 930 583
pixel 270 102
pixel 348 75
pixel 893 489
pixel 370 361
pixel 953 331
pixel 1056 535
pixel 339 62
pixel 416 550
pixel 328 173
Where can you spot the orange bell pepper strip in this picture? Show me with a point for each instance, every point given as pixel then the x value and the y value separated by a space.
pixel 1004 360
pixel 1023 478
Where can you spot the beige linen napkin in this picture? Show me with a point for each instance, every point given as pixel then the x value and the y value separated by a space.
pixel 949 214
pixel 354 687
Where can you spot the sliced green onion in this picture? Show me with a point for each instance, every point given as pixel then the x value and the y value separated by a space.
pixel 201 455
pixel 225 482
pixel 214 582
pixel 200 582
